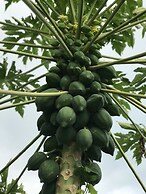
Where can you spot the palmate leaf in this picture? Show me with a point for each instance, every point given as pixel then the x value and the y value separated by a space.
pixel 9 2
pixel 132 140
pixel 139 78
pixel 13 187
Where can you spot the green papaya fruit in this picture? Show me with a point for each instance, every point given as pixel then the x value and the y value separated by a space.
pixel 36 160
pixel 94 59
pixel 113 109
pixel 63 100
pixel 65 82
pixel 103 120
pixel 78 103
pixel 71 68
pixel 96 77
pixel 40 122
pixel 84 139
pixel 57 53
pixel 85 29
pixel 94 153
pixel 95 87
pixel 86 77
pixel 95 102
pixel 55 69
pixel 65 135
pixel 53 80
pixel 47 129
pixel 108 72
pixel 53 120
pixel 110 148
pixel 50 144
pixel 96 52
pixel 100 137
pixel 49 188
pixel 48 171
pixel 79 56
pixel 46 103
pixel 66 116
pixel 93 173
pixel 77 88
pixel 82 119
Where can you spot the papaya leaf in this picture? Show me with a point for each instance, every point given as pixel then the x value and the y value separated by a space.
pixel 20 110
pixel 4 177
pixel 9 2
pixel 132 141
pixel 127 126
pixel 13 187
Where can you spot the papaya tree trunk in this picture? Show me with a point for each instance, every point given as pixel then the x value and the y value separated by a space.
pixel 68 182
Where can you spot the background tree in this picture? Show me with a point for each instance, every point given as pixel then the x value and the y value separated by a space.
pixel 80 28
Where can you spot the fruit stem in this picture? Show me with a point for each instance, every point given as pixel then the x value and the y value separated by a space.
pixel 28 44
pixel 22 86
pixel 80 16
pixel 24 169
pixel 20 153
pixel 54 32
pixel 121 61
pixel 123 93
pixel 24 28
pixel 87 46
pixel 124 26
pixel 72 10
pixel 32 94
pixel 136 103
pixel 68 182
pixel 129 164
pixel 27 54
pixel 17 104
pixel 97 12
pixel 122 109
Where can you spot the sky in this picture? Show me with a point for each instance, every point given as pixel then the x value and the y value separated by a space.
pixel 17 132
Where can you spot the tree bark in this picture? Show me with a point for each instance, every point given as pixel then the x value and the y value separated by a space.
pixel 68 182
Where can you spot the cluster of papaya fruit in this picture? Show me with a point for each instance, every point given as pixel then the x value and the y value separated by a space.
pixel 82 115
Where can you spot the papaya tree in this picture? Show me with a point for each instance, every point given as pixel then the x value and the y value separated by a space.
pixel 82 89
